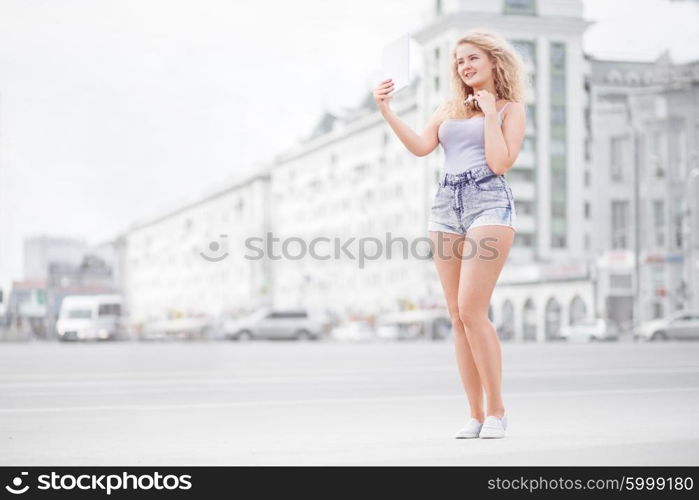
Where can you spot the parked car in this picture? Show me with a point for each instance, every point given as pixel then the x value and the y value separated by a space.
pixel 184 328
pixel 389 331
pixel 274 324
pixel 680 325
pixel 590 330
pixel 84 317
pixel 354 331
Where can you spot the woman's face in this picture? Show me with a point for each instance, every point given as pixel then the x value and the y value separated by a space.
pixel 473 65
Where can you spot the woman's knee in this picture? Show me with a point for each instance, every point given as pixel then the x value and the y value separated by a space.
pixel 457 326
pixel 472 319
pixel 455 319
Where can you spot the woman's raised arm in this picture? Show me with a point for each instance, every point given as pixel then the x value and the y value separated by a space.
pixel 419 145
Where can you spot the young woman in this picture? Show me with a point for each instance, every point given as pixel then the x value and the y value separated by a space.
pixel 481 130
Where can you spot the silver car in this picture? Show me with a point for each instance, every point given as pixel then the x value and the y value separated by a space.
pixel 681 325
pixel 274 324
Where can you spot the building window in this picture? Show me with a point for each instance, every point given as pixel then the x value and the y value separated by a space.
pixel 525 207
pixel 558 115
pixel 679 215
pixel 436 83
pixel 616 158
pixel 677 148
pixel 558 147
pixel 620 224
pixel 577 310
pixel 528 144
pixel 553 318
pixel 588 146
pixel 659 222
pixel 558 182
pixel 558 209
pixel 524 240
pixel 657 153
pixel 558 56
pixel 520 174
pixel 558 87
pixel 529 320
pixel 558 139
pixel 657 310
pixel 587 209
pixel 526 50
pixel 520 7
pixel 531 116
pixel 658 276
pixel 620 281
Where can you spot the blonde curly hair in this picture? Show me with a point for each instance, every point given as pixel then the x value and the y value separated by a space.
pixel 510 74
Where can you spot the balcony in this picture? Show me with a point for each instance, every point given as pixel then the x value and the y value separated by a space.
pixel 526 158
pixel 525 223
pixel 523 190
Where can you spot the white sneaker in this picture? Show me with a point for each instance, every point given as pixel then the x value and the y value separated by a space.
pixel 493 427
pixel 471 430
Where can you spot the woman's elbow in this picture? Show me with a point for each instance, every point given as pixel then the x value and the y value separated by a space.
pixel 501 168
pixel 424 150
pixel 419 152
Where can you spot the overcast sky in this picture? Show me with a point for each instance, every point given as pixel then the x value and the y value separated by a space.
pixel 113 111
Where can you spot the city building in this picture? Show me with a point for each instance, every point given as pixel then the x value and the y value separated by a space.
pixel 602 138
pixel 352 182
pixel 646 147
pixel 365 183
pixel 192 261
pixel 54 268
pixel 41 251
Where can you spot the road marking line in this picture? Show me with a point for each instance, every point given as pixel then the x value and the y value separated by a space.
pixel 234 404
pixel 180 382
pixel 91 378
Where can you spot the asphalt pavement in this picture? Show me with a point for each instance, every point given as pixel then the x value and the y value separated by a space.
pixel 329 403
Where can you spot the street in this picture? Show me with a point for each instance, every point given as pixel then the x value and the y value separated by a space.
pixel 328 403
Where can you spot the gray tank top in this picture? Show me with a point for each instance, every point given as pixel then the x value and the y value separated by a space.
pixel 463 140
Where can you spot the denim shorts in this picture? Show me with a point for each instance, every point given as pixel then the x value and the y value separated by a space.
pixel 476 197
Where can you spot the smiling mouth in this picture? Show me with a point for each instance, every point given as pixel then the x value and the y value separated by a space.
pixel 470 75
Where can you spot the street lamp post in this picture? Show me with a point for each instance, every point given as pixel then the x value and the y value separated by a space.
pixel 690 224
pixel 636 138
pixel 637 225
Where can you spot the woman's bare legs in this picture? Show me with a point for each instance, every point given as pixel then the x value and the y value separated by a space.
pixel 448 262
pixel 484 254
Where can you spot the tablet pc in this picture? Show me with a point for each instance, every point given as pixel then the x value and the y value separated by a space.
pixel 395 62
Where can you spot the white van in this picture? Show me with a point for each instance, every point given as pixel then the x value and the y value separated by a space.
pixel 89 317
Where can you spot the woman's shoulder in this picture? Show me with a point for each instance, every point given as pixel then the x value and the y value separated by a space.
pixel 445 108
pixel 443 111
pixel 450 109
pixel 509 106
